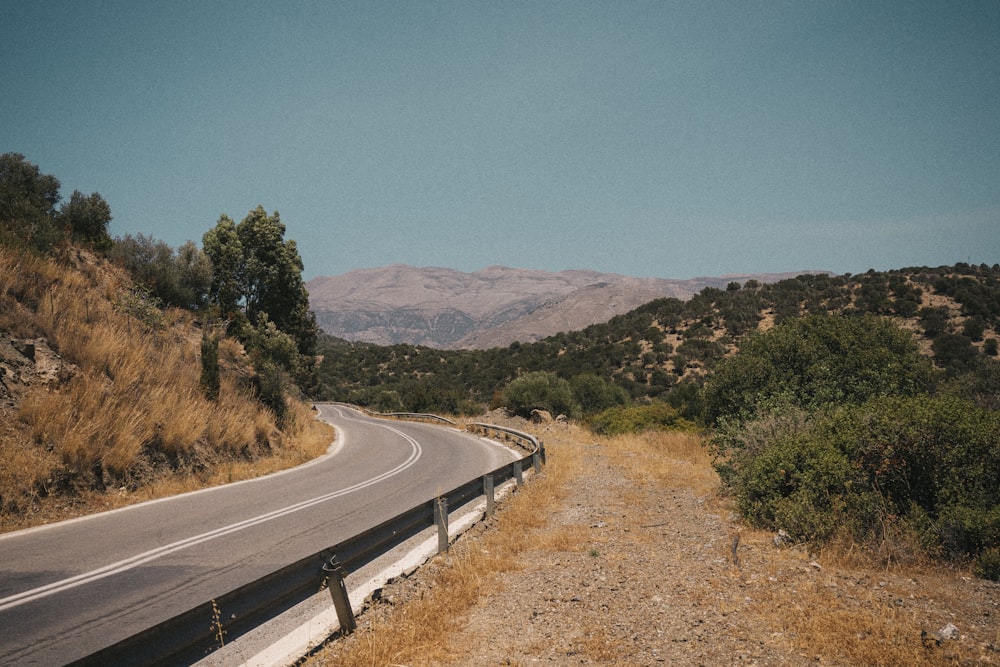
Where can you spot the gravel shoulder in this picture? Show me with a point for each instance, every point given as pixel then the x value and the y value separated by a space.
pixel 630 568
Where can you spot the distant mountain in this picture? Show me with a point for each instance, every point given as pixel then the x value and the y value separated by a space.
pixel 492 307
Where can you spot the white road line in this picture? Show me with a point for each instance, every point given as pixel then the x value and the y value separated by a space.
pixel 153 554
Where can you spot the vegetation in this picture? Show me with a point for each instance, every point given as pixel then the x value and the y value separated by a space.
pixel 29 217
pixel 539 391
pixel 178 278
pixel 666 349
pixel 637 418
pixel 147 391
pixel 257 274
pixel 815 361
pixel 782 374
pixel 827 427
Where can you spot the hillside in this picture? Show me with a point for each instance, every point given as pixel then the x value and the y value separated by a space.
pixel 666 346
pixel 492 307
pixel 100 403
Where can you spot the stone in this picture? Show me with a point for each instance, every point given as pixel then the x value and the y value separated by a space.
pixel 541 416
pixel 949 632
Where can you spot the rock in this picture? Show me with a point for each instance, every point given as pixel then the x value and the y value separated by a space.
pixel 949 632
pixel 782 538
pixel 25 347
pixel 541 416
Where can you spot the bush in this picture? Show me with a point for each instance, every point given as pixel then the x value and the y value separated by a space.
pixel 178 279
pixel 806 487
pixel 621 420
pixel 930 465
pixel 539 391
pixel 593 393
pixel 815 361
pixel 966 531
pixel 988 564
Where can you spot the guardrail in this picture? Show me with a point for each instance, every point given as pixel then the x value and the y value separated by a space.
pixel 412 416
pixel 190 636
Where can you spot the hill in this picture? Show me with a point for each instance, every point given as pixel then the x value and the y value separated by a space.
pixel 668 346
pixel 492 307
pixel 100 403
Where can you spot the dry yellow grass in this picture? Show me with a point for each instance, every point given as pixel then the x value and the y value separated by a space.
pixel 814 617
pixel 674 457
pixel 127 410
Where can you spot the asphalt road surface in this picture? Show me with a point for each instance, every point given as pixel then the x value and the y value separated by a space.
pixel 72 588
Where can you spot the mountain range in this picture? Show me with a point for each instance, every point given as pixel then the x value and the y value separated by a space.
pixel 493 307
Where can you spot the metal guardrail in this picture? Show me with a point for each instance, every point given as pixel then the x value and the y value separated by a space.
pixel 526 441
pixel 411 416
pixel 191 635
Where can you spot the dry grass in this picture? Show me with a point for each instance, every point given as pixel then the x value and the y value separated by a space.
pixel 125 420
pixel 674 457
pixel 845 612
pixel 856 615
pixel 815 612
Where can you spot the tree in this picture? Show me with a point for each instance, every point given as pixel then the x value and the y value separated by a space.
pixel 179 279
pixel 258 274
pixel 271 278
pixel 195 274
pixel 28 201
pixel 87 218
pixel 222 245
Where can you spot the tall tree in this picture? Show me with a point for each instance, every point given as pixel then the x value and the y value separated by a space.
pixel 222 245
pixel 256 270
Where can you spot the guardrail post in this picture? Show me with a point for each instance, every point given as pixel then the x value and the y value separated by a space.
pixel 536 460
pixel 488 492
pixel 338 592
pixel 518 475
pixel 441 520
pixel 541 448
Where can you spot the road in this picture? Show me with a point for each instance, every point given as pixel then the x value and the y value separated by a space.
pixel 71 588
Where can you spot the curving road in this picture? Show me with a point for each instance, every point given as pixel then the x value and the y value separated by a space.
pixel 69 589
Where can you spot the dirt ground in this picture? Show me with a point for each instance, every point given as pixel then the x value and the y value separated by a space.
pixel 636 566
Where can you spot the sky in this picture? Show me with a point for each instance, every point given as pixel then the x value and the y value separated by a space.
pixel 656 139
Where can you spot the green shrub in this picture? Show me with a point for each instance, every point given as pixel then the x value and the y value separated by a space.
pixel 988 564
pixel 928 465
pixel 805 487
pixel 966 531
pixel 632 419
pixel 593 393
pixel 816 361
pixel 540 390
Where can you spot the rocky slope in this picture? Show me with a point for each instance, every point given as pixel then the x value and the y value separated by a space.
pixel 27 362
pixel 492 307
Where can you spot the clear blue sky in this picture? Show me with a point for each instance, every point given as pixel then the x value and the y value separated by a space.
pixel 667 139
